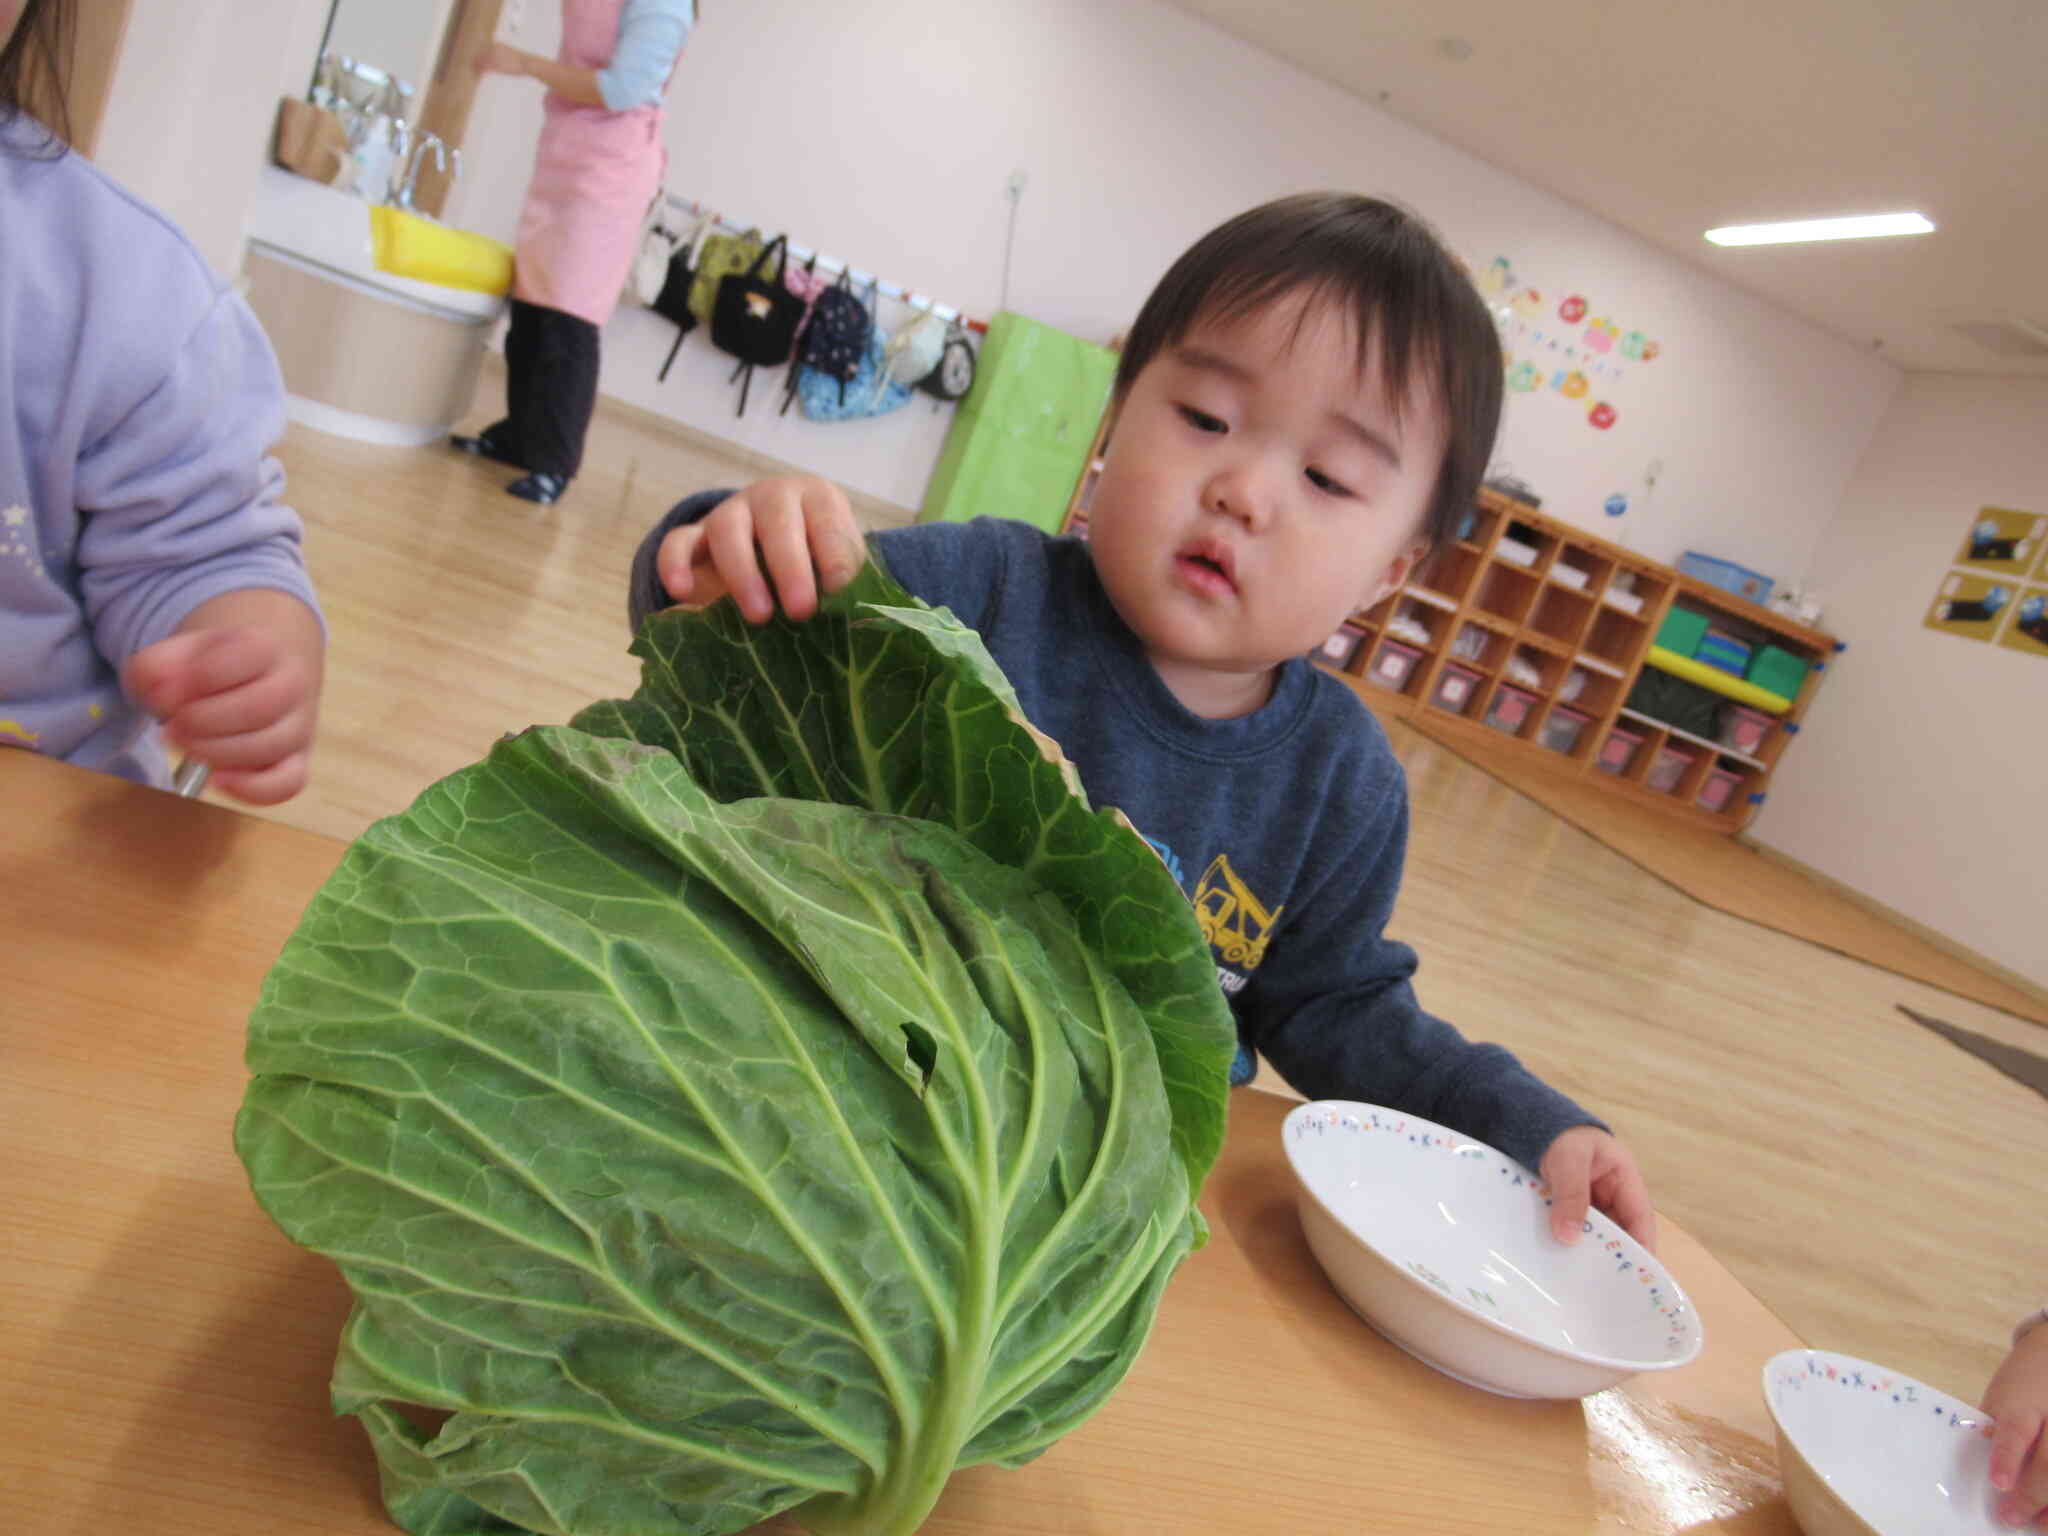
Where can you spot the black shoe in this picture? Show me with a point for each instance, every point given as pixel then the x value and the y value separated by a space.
pixel 542 489
pixel 483 446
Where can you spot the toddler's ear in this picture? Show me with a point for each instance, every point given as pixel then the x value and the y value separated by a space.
pixel 1399 572
pixel 1111 412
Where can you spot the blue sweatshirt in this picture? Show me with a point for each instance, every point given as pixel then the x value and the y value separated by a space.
pixel 1287 827
pixel 138 399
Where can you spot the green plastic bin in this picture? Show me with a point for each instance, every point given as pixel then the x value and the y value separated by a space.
pixel 1778 670
pixel 1682 631
pixel 1020 439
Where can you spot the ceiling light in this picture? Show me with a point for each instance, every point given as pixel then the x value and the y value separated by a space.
pixel 1863 228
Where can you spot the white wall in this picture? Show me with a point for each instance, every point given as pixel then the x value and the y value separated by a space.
pixel 194 101
pixel 301 51
pixel 1920 776
pixel 884 132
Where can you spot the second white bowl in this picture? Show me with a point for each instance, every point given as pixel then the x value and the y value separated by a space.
pixel 1866 1451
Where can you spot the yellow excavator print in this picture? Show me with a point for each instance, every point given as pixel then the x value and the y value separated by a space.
pixel 1234 921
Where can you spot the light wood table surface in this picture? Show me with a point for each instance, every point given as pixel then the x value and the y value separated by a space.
pixel 164 1351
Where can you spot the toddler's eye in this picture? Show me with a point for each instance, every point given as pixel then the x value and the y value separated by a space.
pixel 1324 483
pixel 1201 421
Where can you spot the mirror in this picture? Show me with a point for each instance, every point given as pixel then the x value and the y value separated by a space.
pixel 397 39
pixel 406 60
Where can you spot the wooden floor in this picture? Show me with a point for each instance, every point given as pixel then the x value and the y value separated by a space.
pixel 1737 878
pixel 1879 1188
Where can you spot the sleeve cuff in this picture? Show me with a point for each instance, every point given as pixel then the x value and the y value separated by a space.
pixel 275 566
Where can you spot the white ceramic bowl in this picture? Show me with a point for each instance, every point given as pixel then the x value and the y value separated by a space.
pixel 1444 1245
pixel 1865 1451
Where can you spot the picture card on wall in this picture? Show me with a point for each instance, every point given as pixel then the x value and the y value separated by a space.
pixel 2028 630
pixel 1971 606
pixel 2002 540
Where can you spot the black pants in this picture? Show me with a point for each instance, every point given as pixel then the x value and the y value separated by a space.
pixel 550 390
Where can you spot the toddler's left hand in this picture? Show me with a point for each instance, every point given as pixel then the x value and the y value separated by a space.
pixel 241 699
pixel 1587 1167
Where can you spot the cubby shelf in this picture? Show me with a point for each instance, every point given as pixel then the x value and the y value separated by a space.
pixel 1587 635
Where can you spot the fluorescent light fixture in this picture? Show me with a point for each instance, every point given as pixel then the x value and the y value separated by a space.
pixel 1864 228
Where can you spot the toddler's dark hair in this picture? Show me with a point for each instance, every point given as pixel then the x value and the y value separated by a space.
pixel 1409 300
pixel 35 65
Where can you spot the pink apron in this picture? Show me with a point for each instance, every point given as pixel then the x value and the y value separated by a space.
pixel 593 178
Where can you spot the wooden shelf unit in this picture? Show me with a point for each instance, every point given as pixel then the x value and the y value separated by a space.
pixel 1569 628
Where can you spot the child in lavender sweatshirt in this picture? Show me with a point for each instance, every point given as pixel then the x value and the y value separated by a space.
pixel 148 572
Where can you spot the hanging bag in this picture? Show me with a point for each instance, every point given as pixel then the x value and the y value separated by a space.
pixel 756 315
pixel 915 350
pixel 834 340
pixel 870 392
pixel 673 302
pixel 661 236
pixel 806 282
pixel 721 256
pixel 955 374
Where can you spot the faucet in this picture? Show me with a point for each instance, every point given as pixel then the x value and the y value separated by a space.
pixel 398 138
pixel 442 157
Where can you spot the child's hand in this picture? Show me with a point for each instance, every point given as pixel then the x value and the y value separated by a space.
pixel 2018 1399
pixel 1587 1167
pixel 801 526
pixel 238 688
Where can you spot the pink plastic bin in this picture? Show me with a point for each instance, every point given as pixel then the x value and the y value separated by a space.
pixel 1619 749
pixel 1561 732
pixel 1392 664
pixel 1669 768
pixel 1719 789
pixel 1510 709
pixel 1744 730
pixel 1343 645
pixel 1456 688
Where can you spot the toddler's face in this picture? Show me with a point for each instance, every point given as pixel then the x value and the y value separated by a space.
pixel 1258 490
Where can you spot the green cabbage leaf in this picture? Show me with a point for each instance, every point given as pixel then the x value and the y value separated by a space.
pixel 768 1093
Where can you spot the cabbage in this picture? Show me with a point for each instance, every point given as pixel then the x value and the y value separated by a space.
pixel 767 1093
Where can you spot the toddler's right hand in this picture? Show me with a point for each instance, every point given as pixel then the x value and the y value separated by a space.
pixel 801 527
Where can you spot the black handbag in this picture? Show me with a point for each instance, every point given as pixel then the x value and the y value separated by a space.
pixel 756 316
pixel 673 302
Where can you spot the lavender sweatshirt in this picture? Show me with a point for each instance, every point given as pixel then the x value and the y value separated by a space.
pixel 138 401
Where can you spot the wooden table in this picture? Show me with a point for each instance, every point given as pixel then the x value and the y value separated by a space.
pixel 164 1351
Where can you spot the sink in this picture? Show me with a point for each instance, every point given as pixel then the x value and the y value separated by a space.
pixel 406 258
pixel 410 246
pixel 379 318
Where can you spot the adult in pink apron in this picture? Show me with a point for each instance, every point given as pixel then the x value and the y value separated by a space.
pixel 599 166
